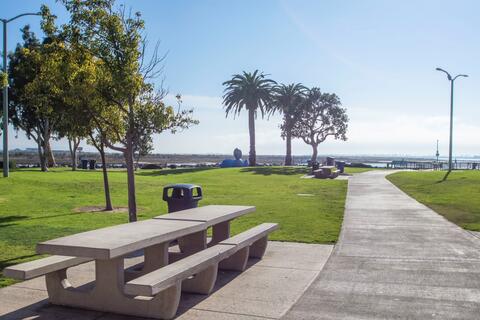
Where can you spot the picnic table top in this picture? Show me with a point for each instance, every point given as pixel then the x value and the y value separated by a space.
pixel 210 215
pixel 115 241
pixel 111 242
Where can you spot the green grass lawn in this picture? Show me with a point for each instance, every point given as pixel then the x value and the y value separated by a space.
pixel 457 199
pixel 37 206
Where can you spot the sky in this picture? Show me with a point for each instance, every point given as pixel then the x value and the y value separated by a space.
pixel 378 56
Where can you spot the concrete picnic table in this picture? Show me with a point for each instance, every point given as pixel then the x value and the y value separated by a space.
pixel 109 246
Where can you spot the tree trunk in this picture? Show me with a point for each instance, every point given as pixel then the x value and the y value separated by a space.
pixel 288 156
pixel 315 153
pixel 132 202
pixel 252 159
pixel 46 150
pixel 49 154
pixel 73 146
pixel 41 156
pixel 106 186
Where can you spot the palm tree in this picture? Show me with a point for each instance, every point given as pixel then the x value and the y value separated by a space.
pixel 253 92
pixel 288 100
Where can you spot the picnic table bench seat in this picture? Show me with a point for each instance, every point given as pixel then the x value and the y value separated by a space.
pixel 40 267
pixel 197 273
pixel 198 264
pixel 251 243
pixel 204 262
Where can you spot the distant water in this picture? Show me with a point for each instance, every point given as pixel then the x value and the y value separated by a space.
pixel 376 164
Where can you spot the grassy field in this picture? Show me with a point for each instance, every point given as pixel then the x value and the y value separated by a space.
pixel 457 199
pixel 36 206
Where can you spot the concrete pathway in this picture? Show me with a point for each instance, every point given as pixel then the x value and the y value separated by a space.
pixel 395 259
pixel 266 290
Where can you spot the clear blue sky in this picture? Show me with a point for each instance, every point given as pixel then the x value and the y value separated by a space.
pixel 378 56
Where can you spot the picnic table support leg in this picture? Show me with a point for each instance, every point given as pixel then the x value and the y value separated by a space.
pixel 156 256
pixel 237 261
pixel 56 283
pixel 108 289
pixel 220 232
pixel 203 282
pixel 193 243
pixel 108 295
pixel 257 249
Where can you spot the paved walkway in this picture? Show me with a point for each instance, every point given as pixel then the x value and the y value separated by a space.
pixel 266 290
pixel 396 259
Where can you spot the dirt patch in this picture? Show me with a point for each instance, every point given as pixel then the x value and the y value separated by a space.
pixel 100 209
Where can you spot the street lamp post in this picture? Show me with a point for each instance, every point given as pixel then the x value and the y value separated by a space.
pixel 452 81
pixel 5 92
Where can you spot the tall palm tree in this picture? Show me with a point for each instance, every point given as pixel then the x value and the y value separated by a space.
pixel 288 100
pixel 250 91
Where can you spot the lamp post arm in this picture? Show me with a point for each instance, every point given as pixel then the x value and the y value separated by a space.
pixel 460 75
pixel 24 14
pixel 448 74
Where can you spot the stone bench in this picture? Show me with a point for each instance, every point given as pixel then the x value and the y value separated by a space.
pixel 326 172
pixel 41 267
pixel 251 243
pixel 197 273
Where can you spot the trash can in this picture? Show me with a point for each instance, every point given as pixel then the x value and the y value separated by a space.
pixel 84 164
pixel 92 164
pixel 340 166
pixel 330 161
pixel 182 196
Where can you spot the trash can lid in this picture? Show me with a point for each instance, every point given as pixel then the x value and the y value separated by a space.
pixel 182 185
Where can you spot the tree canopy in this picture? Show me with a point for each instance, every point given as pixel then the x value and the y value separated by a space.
pixel 322 116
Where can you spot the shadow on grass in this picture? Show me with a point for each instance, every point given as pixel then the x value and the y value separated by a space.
pixel 51 170
pixel 6 221
pixel 165 172
pixel 51 216
pixel 266 171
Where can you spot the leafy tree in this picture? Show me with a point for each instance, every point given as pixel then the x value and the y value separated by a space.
pixel 85 108
pixel 252 91
pixel 75 123
pixel 115 39
pixel 322 116
pixel 34 92
pixel 289 100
